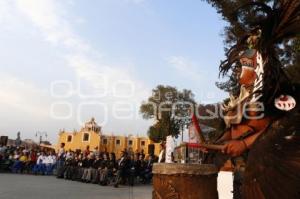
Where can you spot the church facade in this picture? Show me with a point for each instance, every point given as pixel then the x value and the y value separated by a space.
pixel 91 135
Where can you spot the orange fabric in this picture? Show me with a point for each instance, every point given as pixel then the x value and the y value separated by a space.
pixel 238 130
pixel 255 126
pixel 247 77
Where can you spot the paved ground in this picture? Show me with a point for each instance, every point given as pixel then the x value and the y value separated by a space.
pixel 15 186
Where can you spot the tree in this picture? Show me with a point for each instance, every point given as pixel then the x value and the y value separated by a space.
pixel 293 70
pixel 169 107
pixel 242 19
pixel 230 86
pixel 162 128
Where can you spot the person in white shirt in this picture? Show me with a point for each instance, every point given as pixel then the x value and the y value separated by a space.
pixel 16 155
pixel 69 155
pixel 40 166
pixel 50 162
pixel 41 159
pixel 162 154
pixel 53 158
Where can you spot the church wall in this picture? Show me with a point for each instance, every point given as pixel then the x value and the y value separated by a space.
pixel 78 142
pixel 109 143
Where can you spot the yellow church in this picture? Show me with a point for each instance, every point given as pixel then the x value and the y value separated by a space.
pixel 91 135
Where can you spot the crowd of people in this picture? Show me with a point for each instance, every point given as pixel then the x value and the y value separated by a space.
pixel 23 160
pixel 103 168
pixel 85 166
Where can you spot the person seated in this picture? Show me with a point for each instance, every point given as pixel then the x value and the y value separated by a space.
pixel 19 162
pixel 46 162
pixel 25 161
pixel 147 170
pixel 68 167
pixel 72 168
pixel 39 167
pixel 95 169
pixel 16 156
pixel 137 165
pixel 132 169
pixel 6 162
pixel 78 170
pixel 104 170
pixel 27 167
pixel 87 173
pixel 112 168
pixel 32 160
pixel 122 169
pixel 142 163
pixel 2 153
pixel 51 163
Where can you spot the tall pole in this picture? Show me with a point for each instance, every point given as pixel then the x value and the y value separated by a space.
pixel 182 133
pixel 40 135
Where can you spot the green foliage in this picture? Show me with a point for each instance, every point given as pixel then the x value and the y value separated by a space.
pixel 162 128
pixel 169 107
pixel 230 86
pixel 293 69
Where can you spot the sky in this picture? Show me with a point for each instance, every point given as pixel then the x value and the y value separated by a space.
pixel 63 62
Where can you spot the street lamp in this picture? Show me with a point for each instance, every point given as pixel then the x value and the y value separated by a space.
pixel 41 134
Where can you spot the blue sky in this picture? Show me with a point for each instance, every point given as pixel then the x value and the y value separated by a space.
pixel 63 62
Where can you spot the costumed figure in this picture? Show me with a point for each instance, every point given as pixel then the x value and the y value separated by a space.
pixel 262 135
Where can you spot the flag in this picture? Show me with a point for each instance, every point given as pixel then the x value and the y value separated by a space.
pixel 195 132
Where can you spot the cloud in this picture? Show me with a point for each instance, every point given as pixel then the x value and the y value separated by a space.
pixel 105 77
pixel 23 96
pixel 49 16
pixel 185 68
pixel 52 19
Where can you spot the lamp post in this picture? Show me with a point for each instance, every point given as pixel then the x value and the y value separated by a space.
pixel 40 134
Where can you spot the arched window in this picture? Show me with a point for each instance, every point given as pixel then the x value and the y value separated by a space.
pixel 69 138
pixel 86 137
pixel 105 141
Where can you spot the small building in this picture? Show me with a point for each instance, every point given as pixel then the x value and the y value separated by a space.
pixel 91 135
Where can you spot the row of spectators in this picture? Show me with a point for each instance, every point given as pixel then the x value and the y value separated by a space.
pixel 22 160
pixel 87 166
pixel 103 168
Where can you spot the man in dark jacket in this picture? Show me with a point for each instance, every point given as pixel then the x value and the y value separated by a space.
pixel 147 172
pixel 123 164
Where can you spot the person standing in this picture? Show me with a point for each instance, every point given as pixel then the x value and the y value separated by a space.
pixel 162 154
pixel 60 161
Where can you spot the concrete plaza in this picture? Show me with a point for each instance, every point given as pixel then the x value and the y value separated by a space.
pixel 15 186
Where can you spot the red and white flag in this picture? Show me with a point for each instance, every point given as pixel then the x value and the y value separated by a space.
pixel 195 133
